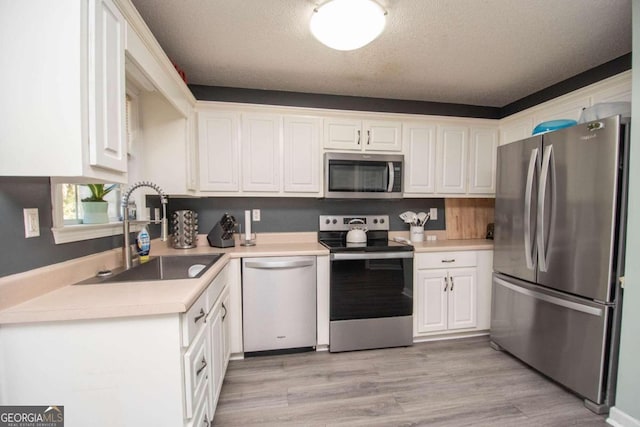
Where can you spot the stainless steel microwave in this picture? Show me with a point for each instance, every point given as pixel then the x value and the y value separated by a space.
pixel 363 176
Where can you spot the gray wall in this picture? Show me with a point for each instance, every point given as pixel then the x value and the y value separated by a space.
pixel 20 254
pixel 628 390
pixel 278 214
pixel 301 214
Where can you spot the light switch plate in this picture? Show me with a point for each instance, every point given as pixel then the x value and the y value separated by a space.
pixel 256 214
pixel 31 222
pixel 433 214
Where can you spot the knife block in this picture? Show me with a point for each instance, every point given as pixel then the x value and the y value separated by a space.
pixel 221 235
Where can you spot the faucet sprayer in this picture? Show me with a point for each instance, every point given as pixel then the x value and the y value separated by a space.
pixel 164 223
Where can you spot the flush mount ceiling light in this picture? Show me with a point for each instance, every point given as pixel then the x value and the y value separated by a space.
pixel 347 24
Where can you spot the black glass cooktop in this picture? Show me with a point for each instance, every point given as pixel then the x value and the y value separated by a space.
pixel 377 245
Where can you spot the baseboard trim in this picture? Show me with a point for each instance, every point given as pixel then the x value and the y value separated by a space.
pixel 618 418
pixel 450 336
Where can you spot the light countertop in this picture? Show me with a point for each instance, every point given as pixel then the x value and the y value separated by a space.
pixel 47 293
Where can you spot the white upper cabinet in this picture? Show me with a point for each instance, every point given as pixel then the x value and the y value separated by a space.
pixel 342 134
pixel 419 149
pixel 218 150
pixel 483 151
pixel 367 135
pixel 382 135
pixel 516 130
pixel 107 139
pixel 261 152
pixel 452 153
pixel 63 111
pixel 302 154
pixel 243 154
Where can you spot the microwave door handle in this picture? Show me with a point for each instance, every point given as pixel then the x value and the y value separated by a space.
pixel 392 177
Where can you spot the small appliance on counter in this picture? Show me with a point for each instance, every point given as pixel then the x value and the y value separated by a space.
pixel 185 229
pixel 490 228
pixel 221 235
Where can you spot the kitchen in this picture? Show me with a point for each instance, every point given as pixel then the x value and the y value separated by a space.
pixel 169 167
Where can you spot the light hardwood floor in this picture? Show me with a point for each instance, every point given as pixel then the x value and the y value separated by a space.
pixel 445 383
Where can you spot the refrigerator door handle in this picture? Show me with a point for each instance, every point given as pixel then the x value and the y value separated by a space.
pixel 551 299
pixel 529 252
pixel 548 166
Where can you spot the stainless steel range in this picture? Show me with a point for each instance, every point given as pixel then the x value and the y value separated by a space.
pixel 371 285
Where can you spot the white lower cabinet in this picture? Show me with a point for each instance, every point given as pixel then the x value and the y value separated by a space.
pixel 447 299
pixel 158 370
pixel 451 292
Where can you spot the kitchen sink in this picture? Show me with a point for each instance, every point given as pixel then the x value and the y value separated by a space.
pixel 168 267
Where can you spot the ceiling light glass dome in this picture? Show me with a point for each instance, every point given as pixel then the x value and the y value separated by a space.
pixel 347 24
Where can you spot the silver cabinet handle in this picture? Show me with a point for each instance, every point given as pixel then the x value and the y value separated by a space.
pixel 529 253
pixel 270 265
pixel 225 311
pixel 368 137
pixel 446 283
pixel 199 316
pixel 204 365
pixel 449 260
pixel 358 137
pixel 451 279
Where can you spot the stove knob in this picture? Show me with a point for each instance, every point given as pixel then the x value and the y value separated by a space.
pixel 375 220
pixel 327 221
pixel 381 220
pixel 335 221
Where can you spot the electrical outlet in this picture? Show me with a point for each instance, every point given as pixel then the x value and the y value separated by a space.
pixel 256 214
pixel 31 222
pixel 433 214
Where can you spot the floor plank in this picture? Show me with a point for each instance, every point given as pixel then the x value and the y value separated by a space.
pixel 444 383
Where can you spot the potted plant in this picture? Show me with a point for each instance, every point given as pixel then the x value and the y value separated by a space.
pixel 95 208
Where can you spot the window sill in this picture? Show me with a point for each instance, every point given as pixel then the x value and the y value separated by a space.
pixel 76 233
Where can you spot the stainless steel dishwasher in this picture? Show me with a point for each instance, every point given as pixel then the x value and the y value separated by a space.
pixel 279 303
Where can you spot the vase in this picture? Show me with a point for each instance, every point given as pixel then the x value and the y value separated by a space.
pixel 95 212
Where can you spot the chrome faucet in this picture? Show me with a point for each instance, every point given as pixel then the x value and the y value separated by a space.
pixel 164 233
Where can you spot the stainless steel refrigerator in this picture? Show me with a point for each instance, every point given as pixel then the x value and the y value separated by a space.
pixel 559 254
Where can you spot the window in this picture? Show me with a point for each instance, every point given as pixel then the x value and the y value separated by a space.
pixel 72 195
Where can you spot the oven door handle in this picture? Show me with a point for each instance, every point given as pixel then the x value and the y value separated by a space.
pixel 370 255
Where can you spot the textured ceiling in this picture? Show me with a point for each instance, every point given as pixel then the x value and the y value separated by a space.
pixel 478 52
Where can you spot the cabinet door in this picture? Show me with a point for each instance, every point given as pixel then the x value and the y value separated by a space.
pixel 261 136
pixel 218 151
pixel 107 125
pixel 462 298
pixel 381 135
pixel 483 152
pixel 419 147
pixel 302 154
pixel 516 130
pixel 343 134
pixel 432 301
pixel 226 329
pixel 217 351
pixel 452 160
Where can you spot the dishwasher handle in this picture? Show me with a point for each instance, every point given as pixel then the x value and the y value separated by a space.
pixel 275 265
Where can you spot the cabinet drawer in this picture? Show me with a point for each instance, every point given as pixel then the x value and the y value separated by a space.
pixel 196 371
pixel 194 319
pixel 216 286
pixel 446 259
pixel 201 415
